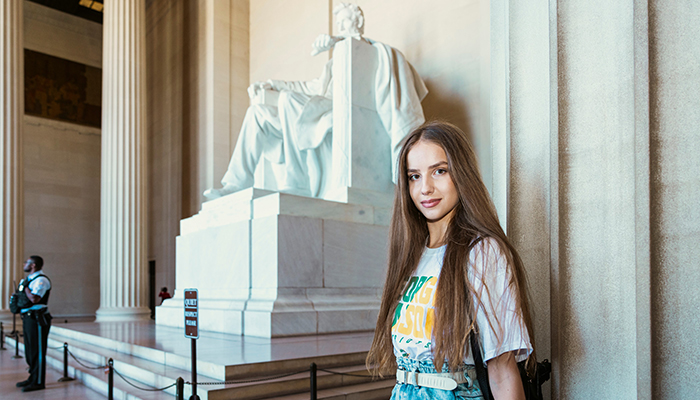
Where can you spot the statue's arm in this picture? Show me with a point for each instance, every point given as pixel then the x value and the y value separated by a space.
pixel 257 87
pixel 311 88
pixel 324 42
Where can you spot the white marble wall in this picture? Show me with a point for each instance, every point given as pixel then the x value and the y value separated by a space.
pixel 62 173
pixel 532 130
pixel 602 134
pixel 165 58
pixel 281 33
pixel 62 210
pixel 674 143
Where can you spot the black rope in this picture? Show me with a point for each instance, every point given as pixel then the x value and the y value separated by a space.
pixel 85 366
pixel 269 378
pixel 142 388
pixel 120 375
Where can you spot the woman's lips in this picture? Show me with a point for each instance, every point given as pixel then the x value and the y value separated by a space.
pixel 430 203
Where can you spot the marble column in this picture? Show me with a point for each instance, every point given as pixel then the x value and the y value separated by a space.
pixel 11 112
pixel 123 207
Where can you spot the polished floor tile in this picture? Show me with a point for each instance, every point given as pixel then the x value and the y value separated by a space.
pixel 15 370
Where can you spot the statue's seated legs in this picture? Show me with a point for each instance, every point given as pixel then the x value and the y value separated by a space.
pixel 270 132
pixel 290 105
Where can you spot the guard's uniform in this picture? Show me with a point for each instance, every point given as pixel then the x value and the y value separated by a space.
pixel 36 322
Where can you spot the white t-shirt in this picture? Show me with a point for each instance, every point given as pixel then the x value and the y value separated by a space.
pixel 413 318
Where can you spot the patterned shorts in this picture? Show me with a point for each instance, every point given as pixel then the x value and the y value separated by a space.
pixel 467 390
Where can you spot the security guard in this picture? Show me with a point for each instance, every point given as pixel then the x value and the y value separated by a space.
pixel 31 299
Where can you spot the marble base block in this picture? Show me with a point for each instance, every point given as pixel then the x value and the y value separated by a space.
pixel 272 264
pixel 122 314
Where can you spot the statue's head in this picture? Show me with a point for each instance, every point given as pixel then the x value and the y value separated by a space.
pixel 349 19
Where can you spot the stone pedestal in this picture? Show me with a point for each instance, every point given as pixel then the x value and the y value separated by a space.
pixel 272 264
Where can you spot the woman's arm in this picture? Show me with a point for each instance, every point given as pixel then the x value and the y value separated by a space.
pixel 504 377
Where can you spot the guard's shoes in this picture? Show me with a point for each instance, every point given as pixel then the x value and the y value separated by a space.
pixel 32 388
pixel 23 383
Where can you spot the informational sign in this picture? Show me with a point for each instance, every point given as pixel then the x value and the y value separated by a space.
pixel 191 314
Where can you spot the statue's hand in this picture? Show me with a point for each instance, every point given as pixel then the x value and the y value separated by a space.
pixel 323 43
pixel 257 87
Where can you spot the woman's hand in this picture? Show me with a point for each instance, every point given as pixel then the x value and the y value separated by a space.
pixel 504 377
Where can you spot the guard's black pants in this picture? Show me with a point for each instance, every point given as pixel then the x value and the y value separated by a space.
pixel 35 355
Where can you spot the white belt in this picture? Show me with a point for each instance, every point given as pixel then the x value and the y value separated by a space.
pixel 444 381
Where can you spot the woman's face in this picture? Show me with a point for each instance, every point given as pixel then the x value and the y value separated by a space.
pixel 429 182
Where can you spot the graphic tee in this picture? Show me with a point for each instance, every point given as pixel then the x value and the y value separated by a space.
pixel 500 328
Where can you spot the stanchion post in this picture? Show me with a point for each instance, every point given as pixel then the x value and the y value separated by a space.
pixel 194 370
pixel 16 346
pixel 312 381
pixel 110 380
pixel 2 337
pixel 65 378
pixel 180 388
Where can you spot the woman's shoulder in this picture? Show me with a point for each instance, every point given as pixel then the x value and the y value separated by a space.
pixel 487 256
pixel 489 245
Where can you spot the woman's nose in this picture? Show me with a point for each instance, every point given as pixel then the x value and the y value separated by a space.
pixel 427 187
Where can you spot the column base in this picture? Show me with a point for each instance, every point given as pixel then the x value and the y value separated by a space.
pixel 121 314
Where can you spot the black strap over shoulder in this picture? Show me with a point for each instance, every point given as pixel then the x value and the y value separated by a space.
pixel 531 386
pixel 37 276
pixel 482 374
pixel 24 283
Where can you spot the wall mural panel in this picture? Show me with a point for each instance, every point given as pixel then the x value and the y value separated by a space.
pixel 63 90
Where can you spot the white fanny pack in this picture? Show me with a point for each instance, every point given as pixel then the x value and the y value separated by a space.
pixel 444 381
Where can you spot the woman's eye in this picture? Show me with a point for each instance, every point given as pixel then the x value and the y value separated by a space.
pixel 413 177
pixel 440 171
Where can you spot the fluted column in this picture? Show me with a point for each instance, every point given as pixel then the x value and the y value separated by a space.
pixel 11 111
pixel 123 207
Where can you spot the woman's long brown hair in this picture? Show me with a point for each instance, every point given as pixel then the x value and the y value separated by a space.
pixel 474 218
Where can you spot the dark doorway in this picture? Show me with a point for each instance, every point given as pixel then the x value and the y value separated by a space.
pixel 152 287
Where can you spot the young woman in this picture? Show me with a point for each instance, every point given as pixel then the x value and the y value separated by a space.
pixel 452 270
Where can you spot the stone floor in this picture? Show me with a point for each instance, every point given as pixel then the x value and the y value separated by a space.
pixel 215 348
pixel 15 370
pixel 226 349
